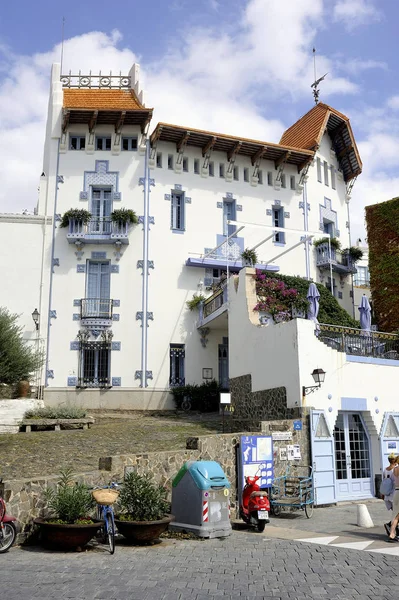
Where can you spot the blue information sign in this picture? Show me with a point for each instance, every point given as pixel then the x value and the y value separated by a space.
pixel 256 457
pixel 298 425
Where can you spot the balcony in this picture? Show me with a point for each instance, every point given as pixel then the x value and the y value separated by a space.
pixel 339 262
pixel 98 231
pixel 96 312
pixel 357 342
pixel 213 312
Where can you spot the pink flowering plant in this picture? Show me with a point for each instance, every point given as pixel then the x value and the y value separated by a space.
pixel 276 298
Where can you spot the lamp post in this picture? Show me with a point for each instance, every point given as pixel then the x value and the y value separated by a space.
pixel 36 318
pixel 318 376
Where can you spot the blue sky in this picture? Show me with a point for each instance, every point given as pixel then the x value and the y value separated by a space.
pixel 242 67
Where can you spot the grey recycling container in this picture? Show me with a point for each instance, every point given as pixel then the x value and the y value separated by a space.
pixel 201 500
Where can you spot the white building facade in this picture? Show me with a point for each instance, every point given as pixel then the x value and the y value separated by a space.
pixel 112 296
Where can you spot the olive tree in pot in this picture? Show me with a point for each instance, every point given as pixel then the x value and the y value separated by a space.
pixel 144 510
pixel 69 504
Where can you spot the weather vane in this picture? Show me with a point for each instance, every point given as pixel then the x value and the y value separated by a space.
pixel 315 84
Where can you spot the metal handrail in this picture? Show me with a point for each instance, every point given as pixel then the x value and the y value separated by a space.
pixel 359 342
pixel 96 308
pixel 214 302
pixel 98 226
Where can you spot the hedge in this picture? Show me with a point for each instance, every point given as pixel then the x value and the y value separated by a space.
pixel 383 240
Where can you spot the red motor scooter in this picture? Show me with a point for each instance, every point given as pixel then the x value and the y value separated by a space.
pixel 255 505
pixel 8 531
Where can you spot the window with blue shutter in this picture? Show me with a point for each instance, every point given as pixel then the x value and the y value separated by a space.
pixel 229 214
pixel 278 221
pixel 177 211
pixel 176 357
pixel 101 208
pixel 97 303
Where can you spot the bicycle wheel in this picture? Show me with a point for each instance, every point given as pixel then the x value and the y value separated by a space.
pixel 186 405
pixel 110 527
pixel 7 536
pixel 101 533
pixel 308 507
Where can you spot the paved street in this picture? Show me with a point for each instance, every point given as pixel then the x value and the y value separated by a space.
pixel 245 565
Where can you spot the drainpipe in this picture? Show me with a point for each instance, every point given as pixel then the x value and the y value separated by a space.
pixel 306 228
pixel 144 333
pixel 51 263
pixel 350 244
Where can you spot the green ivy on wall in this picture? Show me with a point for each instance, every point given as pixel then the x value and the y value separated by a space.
pixel 383 239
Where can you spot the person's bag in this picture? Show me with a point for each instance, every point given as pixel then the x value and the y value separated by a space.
pixel 386 488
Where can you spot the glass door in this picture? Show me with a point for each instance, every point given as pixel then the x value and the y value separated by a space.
pixel 224 365
pixel 352 457
pixel 101 211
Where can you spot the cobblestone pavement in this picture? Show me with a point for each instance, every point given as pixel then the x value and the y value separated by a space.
pixel 243 566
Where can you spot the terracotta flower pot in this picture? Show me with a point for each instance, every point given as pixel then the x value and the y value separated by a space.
pixel 23 389
pixel 143 531
pixel 67 536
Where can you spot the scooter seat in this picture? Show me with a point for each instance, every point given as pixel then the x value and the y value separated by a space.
pixel 259 494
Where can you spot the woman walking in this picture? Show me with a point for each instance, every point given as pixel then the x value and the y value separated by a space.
pixel 388 498
pixel 395 508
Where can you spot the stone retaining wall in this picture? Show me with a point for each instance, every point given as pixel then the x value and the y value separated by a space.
pixel 24 497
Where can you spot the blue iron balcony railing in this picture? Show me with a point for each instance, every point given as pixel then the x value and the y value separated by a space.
pixel 358 342
pixel 98 230
pixel 341 262
pixel 96 308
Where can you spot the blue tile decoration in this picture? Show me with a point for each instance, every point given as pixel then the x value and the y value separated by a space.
pixel 76 317
pixel 337 233
pixel 95 332
pixel 117 196
pixel 277 203
pixel 151 181
pixel 301 205
pixel 239 207
pixel 150 316
pixel 57 217
pixel 60 179
pixel 151 220
pixel 178 187
pixel 99 255
pixel 187 200
pixel 115 346
pixel 77 302
pixel 53 314
pixel 148 374
pixel 140 264
pixel 150 264
pixel 56 262
pixel 139 315
pixel 116 302
pixel 115 317
pixel 50 374
pixel 219 204
pixel 114 268
pixel 72 381
pixel 141 180
pixel 84 196
pixel 229 195
pixel 75 345
pixel 80 268
pixel 287 215
pixel 167 197
pixel 100 176
pixel 116 381
pixel 137 374
pixel 354 404
pixel 269 212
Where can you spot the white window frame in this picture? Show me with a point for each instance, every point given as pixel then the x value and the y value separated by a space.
pixel 333 178
pixel 278 221
pixel 326 169
pixel 318 163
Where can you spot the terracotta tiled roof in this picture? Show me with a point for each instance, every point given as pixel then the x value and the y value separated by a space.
pixel 101 99
pixel 307 132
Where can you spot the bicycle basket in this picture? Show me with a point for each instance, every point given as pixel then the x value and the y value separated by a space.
pixel 105 497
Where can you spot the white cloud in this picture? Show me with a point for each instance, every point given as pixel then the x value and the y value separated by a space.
pixel 356 66
pixel 222 80
pixel 354 13
pixel 393 102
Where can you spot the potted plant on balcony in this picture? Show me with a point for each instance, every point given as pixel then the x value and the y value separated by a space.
pixel 69 504
pixel 354 253
pixel 249 258
pixel 336 244
pixel 79 215
pixel 144 510
pixel 195 301
pixel 124 216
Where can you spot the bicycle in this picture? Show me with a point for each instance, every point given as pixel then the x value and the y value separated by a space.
pixel 186 404
pixel 8 530
pixel 105 498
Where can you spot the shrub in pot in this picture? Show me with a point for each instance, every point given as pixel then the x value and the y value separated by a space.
pixel 144 510
pixel 249 257
pixel 68 505
pixel 75 214
pixel 124 215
